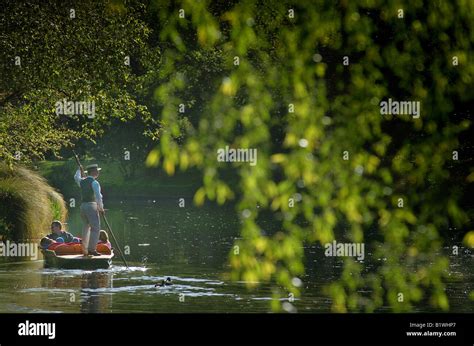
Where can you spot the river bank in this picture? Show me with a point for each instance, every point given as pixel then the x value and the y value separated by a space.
pixel 142 183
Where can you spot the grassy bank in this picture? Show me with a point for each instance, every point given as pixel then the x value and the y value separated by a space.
pixel 28 203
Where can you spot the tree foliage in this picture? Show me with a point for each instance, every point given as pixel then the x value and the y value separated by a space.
pixel 285 90
pixel 70 50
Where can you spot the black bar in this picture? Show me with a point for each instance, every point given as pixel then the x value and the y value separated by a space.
pixel 220 329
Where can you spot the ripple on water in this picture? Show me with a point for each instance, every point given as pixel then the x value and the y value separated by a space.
pixel 25 309
pixel 188 290
pixel 174 278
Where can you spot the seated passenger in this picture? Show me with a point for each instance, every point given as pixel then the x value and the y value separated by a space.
pixel 57 231
pixel 103 245
pixel 48 243
pixel 104 239
pixel 74 247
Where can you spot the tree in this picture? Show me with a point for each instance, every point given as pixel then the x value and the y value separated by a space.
pixel 88 51
pixel 314 74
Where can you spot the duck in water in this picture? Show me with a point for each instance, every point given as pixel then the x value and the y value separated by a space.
pixel 166 282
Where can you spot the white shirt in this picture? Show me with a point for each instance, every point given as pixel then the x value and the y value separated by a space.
pixel 95 188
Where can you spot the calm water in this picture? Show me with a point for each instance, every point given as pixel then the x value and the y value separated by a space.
pixel 191 246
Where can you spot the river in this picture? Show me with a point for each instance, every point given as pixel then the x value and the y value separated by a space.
pixel 191 246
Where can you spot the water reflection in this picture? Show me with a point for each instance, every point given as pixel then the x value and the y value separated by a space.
pixel 76 286
pixel 191 246
pixel 91 302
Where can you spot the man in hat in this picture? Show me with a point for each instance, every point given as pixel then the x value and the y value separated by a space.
pixel 91 206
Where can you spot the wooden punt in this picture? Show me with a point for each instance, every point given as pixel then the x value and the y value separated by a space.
pixel 52 260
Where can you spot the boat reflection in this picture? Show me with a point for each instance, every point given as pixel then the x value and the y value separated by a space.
pixel 86 289
pixel 91 300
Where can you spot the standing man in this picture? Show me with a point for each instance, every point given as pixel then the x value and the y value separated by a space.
pixel 91 206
